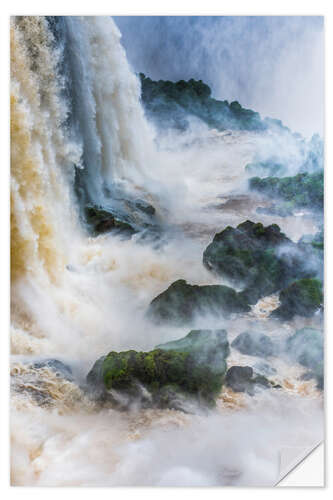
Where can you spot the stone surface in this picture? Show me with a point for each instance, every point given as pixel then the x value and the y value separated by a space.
pixel 181 302
pixel 192 367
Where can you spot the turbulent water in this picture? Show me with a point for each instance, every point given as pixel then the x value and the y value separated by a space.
pixel 76 120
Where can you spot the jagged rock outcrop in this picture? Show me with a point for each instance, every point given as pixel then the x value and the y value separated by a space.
pixel 173 104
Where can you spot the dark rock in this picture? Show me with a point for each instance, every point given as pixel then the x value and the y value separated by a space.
pixel 173 104
pixel 303 298
pixel 209 347
pixel 102 221
pixel 145 207
pixel 192 367
pixel 254 344
pixel 306 346
pixel 260 258
pixel 243 379
pixel 181 302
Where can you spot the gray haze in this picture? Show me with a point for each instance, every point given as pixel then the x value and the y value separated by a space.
pixel 272 64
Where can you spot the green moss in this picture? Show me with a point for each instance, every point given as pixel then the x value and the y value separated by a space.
pixel 304 190
pixel 170 104
pixel 249 255
pixel 181 302
pixel 194 366
pixel 303 298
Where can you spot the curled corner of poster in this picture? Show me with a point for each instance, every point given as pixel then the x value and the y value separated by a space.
pixel 302 466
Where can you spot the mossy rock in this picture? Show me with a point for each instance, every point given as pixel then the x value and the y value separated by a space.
pixel 303 190
pixel 194 366
pixel 303 298
pixel 306 346
pixel 182 302
pixel 173 104
pixel 261 259
pixel 210 347
pixel 254 344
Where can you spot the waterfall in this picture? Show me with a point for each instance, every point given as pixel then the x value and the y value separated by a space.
pixel 79 137
pixel 106 119
pixel 76 123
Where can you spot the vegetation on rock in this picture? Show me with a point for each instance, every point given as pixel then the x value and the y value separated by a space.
pixel 170 104
pixel 194 366
pixel 181 302
pixel 303 298
pixel 301 191
pixel 260 258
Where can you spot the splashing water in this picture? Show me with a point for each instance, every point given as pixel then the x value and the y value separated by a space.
pixel 76 113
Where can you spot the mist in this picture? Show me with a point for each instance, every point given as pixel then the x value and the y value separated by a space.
pixel 271 64
pixel 76 295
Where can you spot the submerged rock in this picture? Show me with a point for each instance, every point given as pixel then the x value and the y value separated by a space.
pixel 61 369
pixel 102 221
pixel 306 346
pixel 145 207
pixel 303 298
pixel 244 379
pixel 193 366
pixel 181 302
pixel 260 258
pixel 254 344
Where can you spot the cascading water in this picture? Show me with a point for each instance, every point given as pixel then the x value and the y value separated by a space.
pixel 105 117
pixel 79 136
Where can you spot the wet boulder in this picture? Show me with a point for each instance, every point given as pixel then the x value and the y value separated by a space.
pixel 144 207
pixel 181 302
pixel 261 259
pixel 192 367
pixel 306 346
pixel 254 344
pixel 101 221
pixel 244 379
pixel 303 298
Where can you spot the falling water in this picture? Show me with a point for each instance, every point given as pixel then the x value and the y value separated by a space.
pixel 79 135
